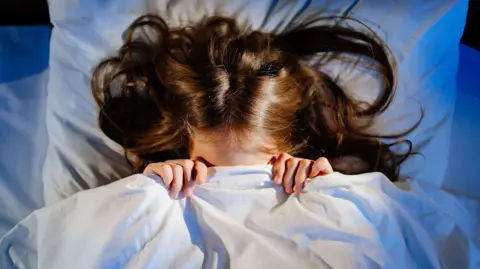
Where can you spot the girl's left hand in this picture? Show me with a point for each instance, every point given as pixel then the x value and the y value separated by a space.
pixel 293 172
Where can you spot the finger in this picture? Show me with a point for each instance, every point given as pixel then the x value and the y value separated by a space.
pixel 187 166
pixel 163 170
pixel 177 183
pixel 289 176
pixel 272 160
pixel 199 176
pixel 201 172
pixel 321 167
pixel 279 167
pixel 301 175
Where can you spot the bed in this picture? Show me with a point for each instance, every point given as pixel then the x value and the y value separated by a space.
pixel 26 143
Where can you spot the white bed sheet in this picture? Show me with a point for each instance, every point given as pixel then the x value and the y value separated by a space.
pixel 463 173
pixel 24 55
pixel 239 219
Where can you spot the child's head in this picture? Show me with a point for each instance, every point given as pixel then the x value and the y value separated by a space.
pixel 230 97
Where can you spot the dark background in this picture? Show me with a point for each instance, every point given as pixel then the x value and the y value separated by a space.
pixel 471 35
pixel 35 12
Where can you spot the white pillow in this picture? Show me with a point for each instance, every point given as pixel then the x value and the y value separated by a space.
pixel 423 37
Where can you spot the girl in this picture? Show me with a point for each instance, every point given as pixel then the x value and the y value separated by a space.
pixel 179 100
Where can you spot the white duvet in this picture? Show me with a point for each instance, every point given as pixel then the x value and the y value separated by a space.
pixel 239 219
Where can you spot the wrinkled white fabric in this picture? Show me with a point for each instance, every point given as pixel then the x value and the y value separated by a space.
pixel 239 219
pixel 23 135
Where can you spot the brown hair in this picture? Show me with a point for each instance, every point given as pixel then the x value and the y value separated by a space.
pixel 166 83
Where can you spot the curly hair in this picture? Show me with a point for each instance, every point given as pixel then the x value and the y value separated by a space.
pixel 164 84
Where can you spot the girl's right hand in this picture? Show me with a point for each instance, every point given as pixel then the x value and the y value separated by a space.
pixel 177 175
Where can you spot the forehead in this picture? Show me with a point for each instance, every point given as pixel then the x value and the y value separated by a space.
pixel 220 148
pixel 231 139
pixel 219 137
